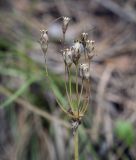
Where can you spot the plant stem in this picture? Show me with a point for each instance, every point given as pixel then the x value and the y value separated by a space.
pixel 60 105
pixel 77 84
pixel 63 44
pixel 76 144
pixel 68 96
pixel 46 69
pixel 85 54
pixel 80 94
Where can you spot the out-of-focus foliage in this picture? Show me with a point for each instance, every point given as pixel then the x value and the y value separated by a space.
pixel 125 132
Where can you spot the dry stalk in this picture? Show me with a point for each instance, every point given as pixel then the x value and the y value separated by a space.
pixel 81 49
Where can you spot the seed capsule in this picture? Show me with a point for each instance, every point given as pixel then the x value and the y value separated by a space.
pixel 67 56
pixel 76 51
pixel 77 47
pixel 84 71
pixel 84 37
pixel 89 45
pixel 89 48
pixel 65 24
pixel 44 41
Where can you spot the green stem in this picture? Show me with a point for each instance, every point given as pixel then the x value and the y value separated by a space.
pixel 49 80
pixel 84 108
pixel 68 96
pixel 70 87
pixel 85 54
pixel 76 145
pixel 46 69
pixel 80 94
pixel 63 43
pixel 60 105
pixel 77 83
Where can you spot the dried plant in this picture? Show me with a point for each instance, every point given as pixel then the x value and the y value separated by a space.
pixel 76 58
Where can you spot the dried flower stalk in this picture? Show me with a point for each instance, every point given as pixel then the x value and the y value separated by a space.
pixel 79 57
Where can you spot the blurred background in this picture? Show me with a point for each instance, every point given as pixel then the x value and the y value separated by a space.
pixel 32 126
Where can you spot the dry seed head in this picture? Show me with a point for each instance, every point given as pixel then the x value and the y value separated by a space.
pixel 90 45
pixel 77 47
pixel 44 35
pixel 76 51
pixel 84 71
pixel 65 24
pixel 67 56
pixel 89 48
pixel 75 57
pixel 84 37
pixel 44 40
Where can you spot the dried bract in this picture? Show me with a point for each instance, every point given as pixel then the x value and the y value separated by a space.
pixel 65 24
pixel 84 71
